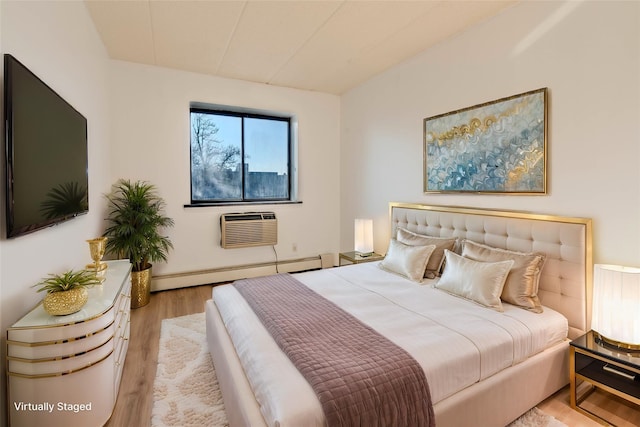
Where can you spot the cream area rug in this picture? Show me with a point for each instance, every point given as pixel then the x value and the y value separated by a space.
pixel 186 392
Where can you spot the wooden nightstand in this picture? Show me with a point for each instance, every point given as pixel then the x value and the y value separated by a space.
pixel 605 367
pixel 353 258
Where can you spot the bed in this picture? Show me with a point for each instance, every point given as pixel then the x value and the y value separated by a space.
pixel 524 351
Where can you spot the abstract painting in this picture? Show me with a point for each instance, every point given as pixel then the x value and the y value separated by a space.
pixel 495 147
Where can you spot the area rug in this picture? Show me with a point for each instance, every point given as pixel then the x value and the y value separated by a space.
pixel 535 417
pixel 186 392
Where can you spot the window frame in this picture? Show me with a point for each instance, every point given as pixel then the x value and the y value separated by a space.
pixel 245 113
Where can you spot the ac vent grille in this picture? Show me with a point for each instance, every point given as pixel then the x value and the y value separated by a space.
pixel 242 230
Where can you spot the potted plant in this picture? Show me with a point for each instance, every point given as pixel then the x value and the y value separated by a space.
pixel 135 216
pixel 66 292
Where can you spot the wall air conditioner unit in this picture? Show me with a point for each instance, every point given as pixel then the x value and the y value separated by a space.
pixel 242 230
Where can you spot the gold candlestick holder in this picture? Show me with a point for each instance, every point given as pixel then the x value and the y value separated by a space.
pixel 97 247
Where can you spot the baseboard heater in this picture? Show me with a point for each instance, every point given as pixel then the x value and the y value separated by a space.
pixel 242 230
pixel 230 273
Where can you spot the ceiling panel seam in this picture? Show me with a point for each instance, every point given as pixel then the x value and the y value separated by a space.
pixel 233 32
pixel 318 28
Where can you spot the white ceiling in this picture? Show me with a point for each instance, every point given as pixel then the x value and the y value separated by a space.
pixel 322 45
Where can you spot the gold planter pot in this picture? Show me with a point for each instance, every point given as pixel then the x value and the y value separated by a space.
pixel 140 287
pixel 65 302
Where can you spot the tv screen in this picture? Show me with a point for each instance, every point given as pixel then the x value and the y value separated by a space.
pixel 46 153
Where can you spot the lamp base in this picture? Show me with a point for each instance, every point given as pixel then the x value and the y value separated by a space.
pixel 619 345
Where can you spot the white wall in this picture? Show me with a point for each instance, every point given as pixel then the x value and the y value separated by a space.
pixel 586 53
pixel 150 129
pixel 58 42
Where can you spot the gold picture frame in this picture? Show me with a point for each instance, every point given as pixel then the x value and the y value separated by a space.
pixel 499 147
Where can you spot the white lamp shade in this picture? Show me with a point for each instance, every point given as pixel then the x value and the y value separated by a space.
pixel 363 239
pixel 616 303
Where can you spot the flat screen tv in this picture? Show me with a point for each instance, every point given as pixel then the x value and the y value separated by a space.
pixel 46 153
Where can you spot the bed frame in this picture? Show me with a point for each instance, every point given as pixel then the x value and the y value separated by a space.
pixel 565 286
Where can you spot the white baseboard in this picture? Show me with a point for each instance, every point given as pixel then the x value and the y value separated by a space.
pixel 227 274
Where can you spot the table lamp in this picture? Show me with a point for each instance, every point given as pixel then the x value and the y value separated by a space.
pixel 616 305
pixel 363 237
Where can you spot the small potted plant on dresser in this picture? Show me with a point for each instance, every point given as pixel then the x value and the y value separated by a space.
pixel 66 292
pixel 135 220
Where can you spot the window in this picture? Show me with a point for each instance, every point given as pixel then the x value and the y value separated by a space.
pixel 239 157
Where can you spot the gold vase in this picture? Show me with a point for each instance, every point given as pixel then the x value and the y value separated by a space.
pixel 97 247
pixel 140 287
pixel 65 302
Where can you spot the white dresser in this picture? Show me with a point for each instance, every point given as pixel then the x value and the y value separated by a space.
pixel 65 370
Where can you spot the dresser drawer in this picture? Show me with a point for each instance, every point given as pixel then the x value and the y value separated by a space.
pixel 60 349
pixel 81 354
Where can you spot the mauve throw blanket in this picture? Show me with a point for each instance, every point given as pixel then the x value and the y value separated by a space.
pixel 361 378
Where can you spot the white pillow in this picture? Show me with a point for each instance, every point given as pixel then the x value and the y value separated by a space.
pixel 407 261
pixel 521 286
pixel 478 281
pixel 434 265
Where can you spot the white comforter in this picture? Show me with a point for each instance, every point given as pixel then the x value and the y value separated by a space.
pixel 457 342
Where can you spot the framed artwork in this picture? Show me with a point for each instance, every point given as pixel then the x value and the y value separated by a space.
pixel 499 147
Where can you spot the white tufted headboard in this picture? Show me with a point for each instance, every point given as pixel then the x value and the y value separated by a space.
pixel 566 279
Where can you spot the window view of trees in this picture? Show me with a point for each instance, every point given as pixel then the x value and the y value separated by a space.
pixel 237 157
pixel 213 161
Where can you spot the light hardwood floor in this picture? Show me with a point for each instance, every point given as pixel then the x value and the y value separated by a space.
pixel 135 399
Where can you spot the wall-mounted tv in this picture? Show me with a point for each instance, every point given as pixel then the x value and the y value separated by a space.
pixel 46 153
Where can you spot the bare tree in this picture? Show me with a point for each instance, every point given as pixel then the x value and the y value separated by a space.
pixel 203 144
pixel 211 159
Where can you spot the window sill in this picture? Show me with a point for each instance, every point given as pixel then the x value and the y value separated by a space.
pixel 272 202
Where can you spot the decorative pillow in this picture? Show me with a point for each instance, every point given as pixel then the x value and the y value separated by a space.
pixel 521 287
pixel 407 261
pixel 481 282
pixel 435 261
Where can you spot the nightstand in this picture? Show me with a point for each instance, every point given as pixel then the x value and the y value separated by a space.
pixel 603 366
pixel 353 258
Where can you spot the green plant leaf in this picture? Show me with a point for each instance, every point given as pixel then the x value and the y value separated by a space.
pixel 135 217
pixel 68 280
